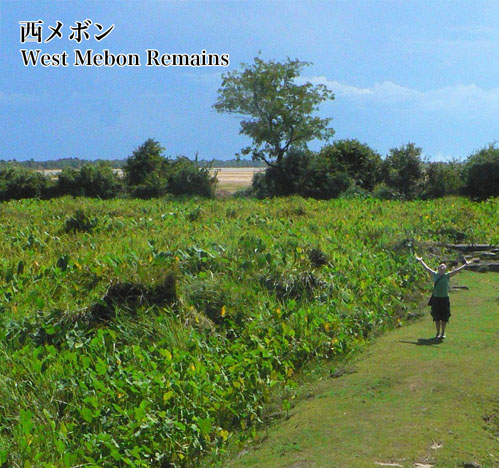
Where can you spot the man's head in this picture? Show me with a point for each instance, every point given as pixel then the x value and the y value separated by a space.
pixel 442 268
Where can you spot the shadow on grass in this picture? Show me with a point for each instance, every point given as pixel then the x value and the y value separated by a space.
pixel 424 342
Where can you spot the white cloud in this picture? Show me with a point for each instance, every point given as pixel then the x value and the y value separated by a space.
pixel 456 98
pixel 441 156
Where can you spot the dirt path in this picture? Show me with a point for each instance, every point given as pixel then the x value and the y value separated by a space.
pixel 408 400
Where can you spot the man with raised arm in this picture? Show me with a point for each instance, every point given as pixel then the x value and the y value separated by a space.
pixel 440 304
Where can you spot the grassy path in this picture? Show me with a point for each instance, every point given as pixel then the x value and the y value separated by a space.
pixel 409 401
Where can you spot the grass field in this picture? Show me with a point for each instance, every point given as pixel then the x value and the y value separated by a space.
pixel 407 401
pixel 155 332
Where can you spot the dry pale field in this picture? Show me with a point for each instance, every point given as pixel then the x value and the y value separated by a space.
pixel 231 179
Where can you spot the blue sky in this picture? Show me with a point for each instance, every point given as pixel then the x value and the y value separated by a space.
pixel 402 71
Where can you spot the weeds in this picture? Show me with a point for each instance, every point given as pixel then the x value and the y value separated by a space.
pixel 80 222
pixel 317 257
pixel 293 285
pixel 153 339
pixel 128 297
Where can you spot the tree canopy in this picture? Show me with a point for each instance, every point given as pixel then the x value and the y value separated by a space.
pixel 277 110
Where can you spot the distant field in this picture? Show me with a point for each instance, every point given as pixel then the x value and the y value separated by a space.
pixel 230 179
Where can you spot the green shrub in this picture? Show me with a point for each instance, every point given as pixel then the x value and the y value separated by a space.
pixel 481 173
pixel 146 171
pixel 402 170
pixel 187 178
pixel 145 160
pixel 327 186
pixel 18 182
pixel 324 180
pixel 358 160
pixel 284 178
pixel 80 222
pixel 155 184
pixel 354 191
pixel 98 181
pixel 302 173
pixel 149 174
pixel 67 183
pixel 442 179
pixel 384 192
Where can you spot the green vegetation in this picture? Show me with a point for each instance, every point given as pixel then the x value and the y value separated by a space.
pixel 349 167
pixel 99 181
pixel 17 183
pixel 145 164
pixel 443 179
pixel 482 173
pixel 406 399
pixel 361 163
pixel 149 174
pixel 186 177
pixel 62 163
pixel 345 165
pixel 76 163
pixel 152 332
pixel 403 170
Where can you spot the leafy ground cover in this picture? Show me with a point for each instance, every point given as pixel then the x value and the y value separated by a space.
pixel 151 333
pixel 406 401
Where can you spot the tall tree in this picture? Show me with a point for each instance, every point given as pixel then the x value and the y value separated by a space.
pixel 277 109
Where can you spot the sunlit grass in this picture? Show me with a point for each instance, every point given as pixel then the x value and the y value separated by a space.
pixel 405 400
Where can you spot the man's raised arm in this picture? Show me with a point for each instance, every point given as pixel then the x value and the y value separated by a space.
pixel 425 266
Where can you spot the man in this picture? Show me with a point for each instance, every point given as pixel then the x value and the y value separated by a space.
pixel 440 304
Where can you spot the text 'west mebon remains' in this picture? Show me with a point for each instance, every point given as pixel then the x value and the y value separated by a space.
pixel 105 58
